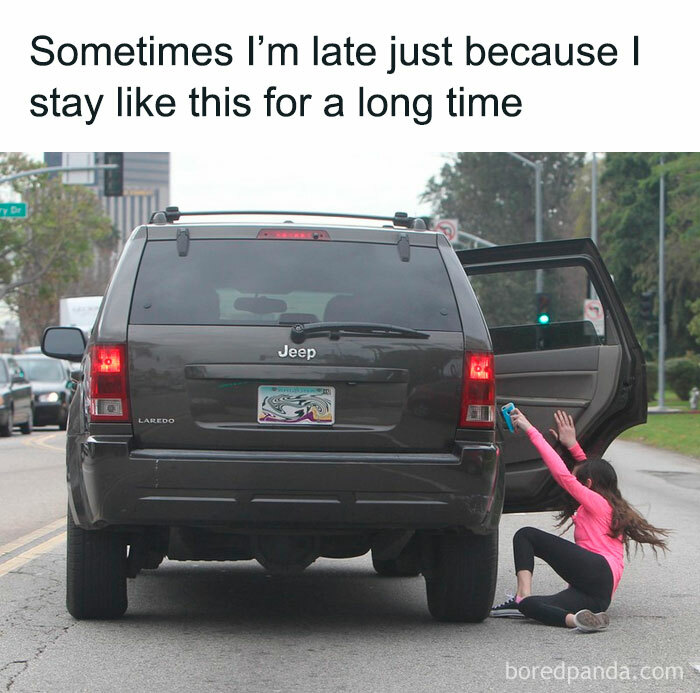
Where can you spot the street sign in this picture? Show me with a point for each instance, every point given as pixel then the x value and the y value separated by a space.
pixel 448 227
pixel 593 311
pixel 81 159
pixel 13 210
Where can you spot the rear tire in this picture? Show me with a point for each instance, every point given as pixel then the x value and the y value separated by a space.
pixel 462 583
pixel 96 573
pixel 6 428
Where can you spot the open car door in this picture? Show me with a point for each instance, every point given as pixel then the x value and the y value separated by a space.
pixel 562 340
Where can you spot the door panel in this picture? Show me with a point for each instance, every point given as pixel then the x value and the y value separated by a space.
pixel 595 372
pixel 540 383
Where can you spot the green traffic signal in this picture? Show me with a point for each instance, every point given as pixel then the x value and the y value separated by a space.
pixel 542 306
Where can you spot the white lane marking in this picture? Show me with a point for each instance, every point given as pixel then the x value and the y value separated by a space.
pixel 32 536
pixel 31 554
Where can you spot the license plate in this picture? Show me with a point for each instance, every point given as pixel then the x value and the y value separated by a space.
pixel 296 405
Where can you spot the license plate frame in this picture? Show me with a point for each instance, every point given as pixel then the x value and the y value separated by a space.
pixel 296 405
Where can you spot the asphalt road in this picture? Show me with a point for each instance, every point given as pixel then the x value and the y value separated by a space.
pixel 226 626
pixel 32 481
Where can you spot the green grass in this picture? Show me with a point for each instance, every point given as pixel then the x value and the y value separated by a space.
pixel 678 432
pixel 672 402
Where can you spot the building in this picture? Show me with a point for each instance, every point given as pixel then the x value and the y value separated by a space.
pixel 146 190
pixel 146 184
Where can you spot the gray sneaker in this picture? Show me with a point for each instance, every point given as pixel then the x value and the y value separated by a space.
pixel 508 609
pixel 588 622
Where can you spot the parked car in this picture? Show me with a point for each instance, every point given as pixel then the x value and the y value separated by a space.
pixel 16 408
pixel 52 387
pixel 284 392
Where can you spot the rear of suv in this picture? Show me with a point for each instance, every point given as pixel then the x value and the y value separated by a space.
pixel 282 392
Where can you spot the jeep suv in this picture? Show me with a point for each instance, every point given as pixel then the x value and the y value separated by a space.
pixel 285 391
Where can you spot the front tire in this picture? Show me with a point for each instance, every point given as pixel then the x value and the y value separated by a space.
pixel 28 426
pixel 462 581
pixel 63 419
pixel 96 573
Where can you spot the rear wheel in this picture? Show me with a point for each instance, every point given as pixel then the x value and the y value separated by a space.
pixel 462 581
pixel 6 428
pixel 96 573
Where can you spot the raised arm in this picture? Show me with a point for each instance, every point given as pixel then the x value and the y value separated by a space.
pixel 566 433
pixel 556 466
pixel 577 452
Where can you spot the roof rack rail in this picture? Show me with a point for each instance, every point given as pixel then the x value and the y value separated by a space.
pixel 172 214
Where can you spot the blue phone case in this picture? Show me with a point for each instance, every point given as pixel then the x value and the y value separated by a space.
pixel 505 412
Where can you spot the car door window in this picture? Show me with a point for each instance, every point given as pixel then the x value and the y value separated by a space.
pixel 3 373
pixel 521 318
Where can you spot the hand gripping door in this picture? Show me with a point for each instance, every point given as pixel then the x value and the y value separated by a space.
pixel 562 340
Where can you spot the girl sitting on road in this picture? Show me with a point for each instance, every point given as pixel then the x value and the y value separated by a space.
pixel 605 524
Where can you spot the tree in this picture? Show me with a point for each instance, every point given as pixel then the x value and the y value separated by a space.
pixel 630 231
pixel 43 254
pixel 492 194
pixel 694 324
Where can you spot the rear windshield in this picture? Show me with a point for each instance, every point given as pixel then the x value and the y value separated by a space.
pixel 271 282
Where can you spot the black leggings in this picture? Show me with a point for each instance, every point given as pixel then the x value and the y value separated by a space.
pixel 588 574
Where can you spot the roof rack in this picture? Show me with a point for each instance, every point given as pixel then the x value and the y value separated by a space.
pixel 172 214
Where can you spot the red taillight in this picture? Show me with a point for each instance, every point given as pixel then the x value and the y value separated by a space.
pixel 107 388
pixel 107 359
pixel 478 392
pixel 480 366
pixel 295 234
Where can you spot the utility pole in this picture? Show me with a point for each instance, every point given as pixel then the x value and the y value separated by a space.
pixel 463 235
pixel 56 169
pixel 662 297
pixel 537 165
pixel 594 199
pixel 594 211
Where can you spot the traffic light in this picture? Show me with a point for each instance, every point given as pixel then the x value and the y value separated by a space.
pixel 646 305
pixel 114 177
pixel 542 301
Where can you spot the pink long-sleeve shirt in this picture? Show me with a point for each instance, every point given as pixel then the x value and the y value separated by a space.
pixel 594 515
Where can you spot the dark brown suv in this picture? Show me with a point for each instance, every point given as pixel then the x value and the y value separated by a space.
pixel 287 391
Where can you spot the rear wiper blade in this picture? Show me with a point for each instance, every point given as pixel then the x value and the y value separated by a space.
pixel 301 331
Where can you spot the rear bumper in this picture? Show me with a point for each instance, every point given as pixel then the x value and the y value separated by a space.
pixel 111 484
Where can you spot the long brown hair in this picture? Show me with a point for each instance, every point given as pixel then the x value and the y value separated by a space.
pixel 627 522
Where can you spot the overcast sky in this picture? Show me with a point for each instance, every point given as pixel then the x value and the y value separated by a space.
pixel 359 182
